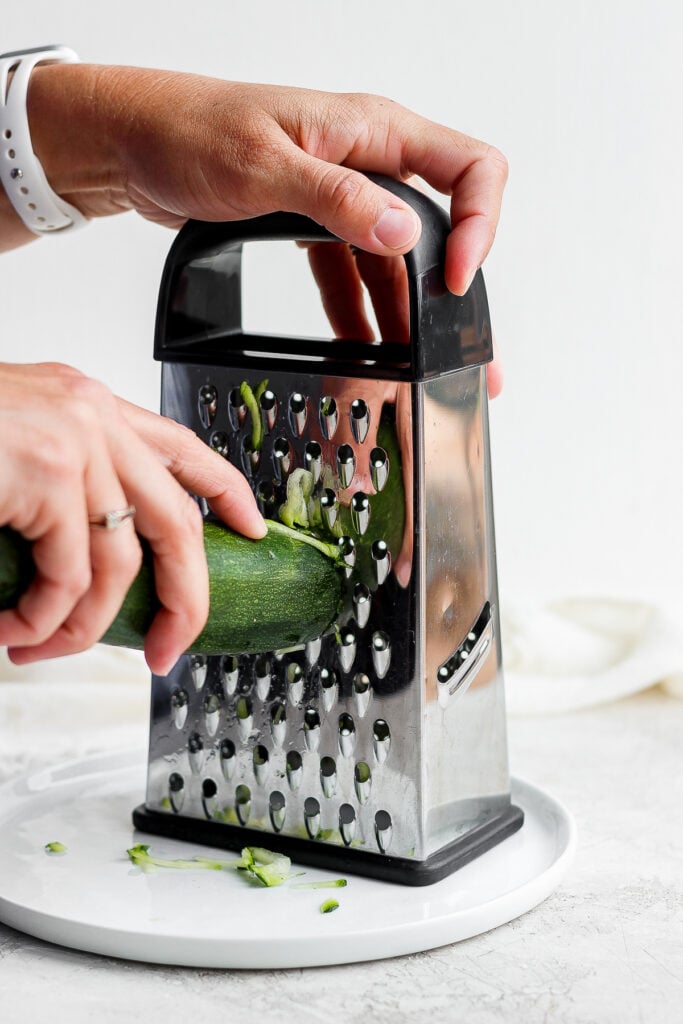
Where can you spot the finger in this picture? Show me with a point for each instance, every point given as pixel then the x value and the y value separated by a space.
pixel 171 522
pixel 347 203
pixel 386 279
pixel 494 373
pixel 198 469
pixel 341 291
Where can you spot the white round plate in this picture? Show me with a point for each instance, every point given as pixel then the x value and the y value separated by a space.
pixel 92 898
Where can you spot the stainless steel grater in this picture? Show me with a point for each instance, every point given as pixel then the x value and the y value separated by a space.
pixel 379 748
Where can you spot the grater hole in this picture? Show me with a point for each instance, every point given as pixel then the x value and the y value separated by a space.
pixel 176 791
pixel 311 728
pixel 312 816
pixel 383 830
pixel 251 457
pixel 278 723
pixel 237 410
pixel 362 781
pixel 11 154
pixel 329 417
pixel 209 797
pixel 283 458
pixel 260 761
pixel 346 465
pixel 361 604
pixel 347 549
pixel 228 758
pixel 327 679
pixel 179 706
pixel 329 507
pixel 381 740
pixel 347 734
pixel 207 404
pixel 294 769
pixel 7 133
pixel 381 653
pixel 276 809
pixel 360 419
pixel 198 670
pixel 230 671
pixel 360 512
pixel 379 468
pixel 245 717
pixel 195 750
pixel 243 803
pixel 381 557
pixel 347 823
pixel 263 674
pixel 313 459
pixel 268 403
pixel 328 776
pixel 361 692
pixel 346 647
pixel 220 443
pixel 298 411
pixel 295 683
pixel 212 707
pixel 266 498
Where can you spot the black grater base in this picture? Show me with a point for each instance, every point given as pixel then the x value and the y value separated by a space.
pixel 402 870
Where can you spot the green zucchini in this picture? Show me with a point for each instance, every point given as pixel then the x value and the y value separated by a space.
pixel 265 595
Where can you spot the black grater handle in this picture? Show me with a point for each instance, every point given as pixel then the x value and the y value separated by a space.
pixel 200 294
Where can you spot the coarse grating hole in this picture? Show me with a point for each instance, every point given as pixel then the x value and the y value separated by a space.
pixel 362 603
pixel 220 442
pixel 361 692
pixel 347 734
pixel 360 419
pixel 313 459
pixel 198 670
pixel 346 465
pixel 260 761
pixel 230 671
pixel 346 648
pixel 360 512
pixel 195 752
pixel 276 808
pixel 268 402
pixel 278 723
pixel 381 653
pixel 311 728
pixel 329 417
pixel 245 718
pixel 207 404
pixel 329 507
pixel 243 803
pixel 209 797
pixel 383 830
pixel 237 410
pixel 381 740
pixel 295 683
pixel 179 706
pixel 347 823
pixel 328 776
pixel 212 709
pixel 381 557
pixel 7 133
pixel 263 676
pixel 283 458
pixel 379 468
pixel 176 791
pixel 327 679
pixel 11 154
pixel 298 410
pixel 294 769
pixel 362 781
pixel 228 758
pixel 312 816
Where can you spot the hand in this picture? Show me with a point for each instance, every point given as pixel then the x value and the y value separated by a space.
pixel 174 146
pixel 71 449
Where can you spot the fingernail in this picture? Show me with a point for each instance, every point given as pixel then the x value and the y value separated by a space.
pixel 396 228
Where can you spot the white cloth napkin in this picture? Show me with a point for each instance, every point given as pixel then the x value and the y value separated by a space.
pixel 578 652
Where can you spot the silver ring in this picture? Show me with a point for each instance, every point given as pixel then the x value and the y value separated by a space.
pixel 111 520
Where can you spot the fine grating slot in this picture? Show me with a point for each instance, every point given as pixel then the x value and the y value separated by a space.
pixel 381 557
pixel 347 549
pixel 295 683
pixel 457 673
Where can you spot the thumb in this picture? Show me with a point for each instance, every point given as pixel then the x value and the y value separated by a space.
pixel 348 204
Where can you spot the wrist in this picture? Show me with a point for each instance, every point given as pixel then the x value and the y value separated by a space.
pixel 73 135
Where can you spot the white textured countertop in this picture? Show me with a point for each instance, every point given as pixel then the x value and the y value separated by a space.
pixel 607 946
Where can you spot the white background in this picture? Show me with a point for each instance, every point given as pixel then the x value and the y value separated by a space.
pixel 584 278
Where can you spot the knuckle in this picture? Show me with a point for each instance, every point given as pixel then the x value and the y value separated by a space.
pixel 340 191
pixel 62 371
pixel 188 521
pixel 78 582
pixel 130 561
pixel 499 161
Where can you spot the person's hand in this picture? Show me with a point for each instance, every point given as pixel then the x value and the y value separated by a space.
pixel 174 146
pixel 70 449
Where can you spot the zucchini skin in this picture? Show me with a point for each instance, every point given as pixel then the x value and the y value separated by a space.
pixel 265 595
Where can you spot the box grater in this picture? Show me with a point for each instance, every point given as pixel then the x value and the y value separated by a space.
pixel 380 747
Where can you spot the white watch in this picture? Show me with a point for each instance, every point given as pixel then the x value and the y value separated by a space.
pixel 23 178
